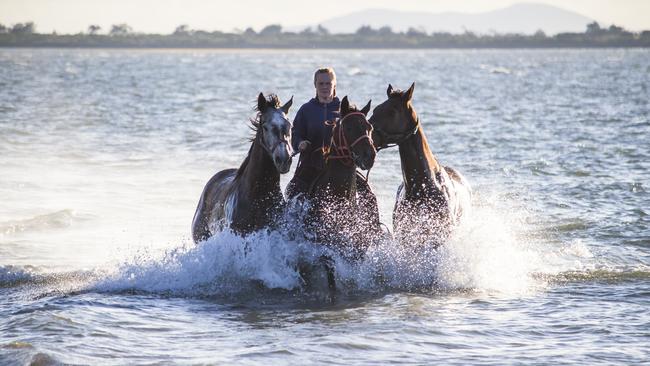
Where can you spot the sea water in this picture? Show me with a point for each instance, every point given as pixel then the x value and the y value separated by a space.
pixel 104 154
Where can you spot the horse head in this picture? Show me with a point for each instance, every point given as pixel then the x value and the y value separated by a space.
pixel 351 135
pixel 274 130
pixel 394 120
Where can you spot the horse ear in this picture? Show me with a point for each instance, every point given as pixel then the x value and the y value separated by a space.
pixel 345 106
pixel 287 105
pixel 366 109
pixel 261 103
pixel 389 91
pixel 409 93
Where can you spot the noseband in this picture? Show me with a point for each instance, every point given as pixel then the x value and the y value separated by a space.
pixel 399 137
pixel 339 143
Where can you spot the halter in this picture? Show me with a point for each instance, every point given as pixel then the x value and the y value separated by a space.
pixel 399 137
pixel 342 149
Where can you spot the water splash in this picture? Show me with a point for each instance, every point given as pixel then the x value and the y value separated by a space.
pixel 493 250
pixel 486 253
pixel 14 275
pixel 225 263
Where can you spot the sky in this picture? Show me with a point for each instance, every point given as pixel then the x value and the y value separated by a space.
pixel 163 16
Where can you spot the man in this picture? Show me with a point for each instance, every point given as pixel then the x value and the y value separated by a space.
pixel 309 131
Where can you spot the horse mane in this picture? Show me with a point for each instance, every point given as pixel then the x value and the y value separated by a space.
pixel 272 101
pixel 396 93
pixel 353 108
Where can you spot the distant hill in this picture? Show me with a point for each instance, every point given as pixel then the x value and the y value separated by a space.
pixel 524 18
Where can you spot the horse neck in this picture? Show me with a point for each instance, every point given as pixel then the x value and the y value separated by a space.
pixel 419 166
pixel 259 175
pixel 341 179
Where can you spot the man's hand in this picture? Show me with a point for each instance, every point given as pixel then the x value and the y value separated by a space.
pixel 303 145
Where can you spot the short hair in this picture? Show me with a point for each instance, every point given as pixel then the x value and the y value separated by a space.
pixel 325 70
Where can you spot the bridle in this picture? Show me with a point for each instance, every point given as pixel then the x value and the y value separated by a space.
pixel 339 143
pixel 399 137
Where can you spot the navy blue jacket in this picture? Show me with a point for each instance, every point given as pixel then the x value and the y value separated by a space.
pixel 309 125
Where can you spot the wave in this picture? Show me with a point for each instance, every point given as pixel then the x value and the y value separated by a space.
pixel 55 220
pixel 225 263
pixel 492 251
pixel 355 71
pixel 611 276
pixel 39 284
pixel 11 276
pixel 496 69
pixel 485 254
pixel 24 353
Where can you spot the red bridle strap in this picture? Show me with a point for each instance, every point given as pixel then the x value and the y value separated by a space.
pixel 341 147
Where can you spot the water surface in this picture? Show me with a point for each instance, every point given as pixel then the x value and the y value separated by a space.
pixel 104 153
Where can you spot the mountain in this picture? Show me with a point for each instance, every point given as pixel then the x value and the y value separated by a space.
pixel 524 18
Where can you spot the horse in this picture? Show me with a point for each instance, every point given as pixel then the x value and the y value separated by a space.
pixel 249 198
pixel 337 217
pixel 432 198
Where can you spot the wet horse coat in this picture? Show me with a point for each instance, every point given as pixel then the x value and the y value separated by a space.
pixel 337 218
pixel 432 198
pixel 249 198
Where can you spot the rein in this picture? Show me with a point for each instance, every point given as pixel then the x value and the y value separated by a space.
pixel 396 136
pixel 342 149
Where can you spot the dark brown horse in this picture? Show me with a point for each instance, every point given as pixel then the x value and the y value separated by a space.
pixel 337 217
pixel 432 197
pixel 249 198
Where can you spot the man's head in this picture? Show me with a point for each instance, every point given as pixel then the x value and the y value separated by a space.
pixel 325 84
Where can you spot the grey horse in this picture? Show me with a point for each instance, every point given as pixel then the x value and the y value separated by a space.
pixel 249 198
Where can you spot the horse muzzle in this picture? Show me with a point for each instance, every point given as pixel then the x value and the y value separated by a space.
pixel 364 160
pixel 282 158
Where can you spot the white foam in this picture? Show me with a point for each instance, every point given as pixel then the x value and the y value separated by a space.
pixel 10 275
pixel 224 263
pixel 489 252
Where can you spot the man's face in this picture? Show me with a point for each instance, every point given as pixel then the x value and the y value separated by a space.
pixel 325 86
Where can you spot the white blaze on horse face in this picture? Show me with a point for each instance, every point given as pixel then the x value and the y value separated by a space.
pixel 277 138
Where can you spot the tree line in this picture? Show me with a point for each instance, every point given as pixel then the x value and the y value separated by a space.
pixel 273 36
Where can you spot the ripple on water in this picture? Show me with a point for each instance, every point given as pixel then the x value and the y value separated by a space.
pixel 551 270
pixel 55 220
pixel 24 353
pixel 604 276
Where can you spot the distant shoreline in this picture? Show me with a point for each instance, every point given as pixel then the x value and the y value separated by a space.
pixel 21 36
pixel 108 48
pixel 319 46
